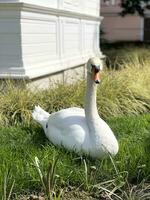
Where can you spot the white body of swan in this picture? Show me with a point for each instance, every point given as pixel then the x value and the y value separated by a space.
pixel 81 130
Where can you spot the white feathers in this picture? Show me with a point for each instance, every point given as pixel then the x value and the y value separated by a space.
pixel 40 115
pixel 81 130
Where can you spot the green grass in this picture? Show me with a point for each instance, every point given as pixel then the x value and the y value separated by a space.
pixel 20 145
pixel 123 100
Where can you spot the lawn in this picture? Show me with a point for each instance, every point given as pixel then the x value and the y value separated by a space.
pixel 123 101
pixel 20 145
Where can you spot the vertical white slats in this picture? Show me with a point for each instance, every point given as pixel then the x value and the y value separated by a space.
pixel 38 42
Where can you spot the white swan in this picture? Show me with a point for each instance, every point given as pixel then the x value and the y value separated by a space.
pixel 81 130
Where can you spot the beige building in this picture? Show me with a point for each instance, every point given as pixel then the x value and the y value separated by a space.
pixel 128 28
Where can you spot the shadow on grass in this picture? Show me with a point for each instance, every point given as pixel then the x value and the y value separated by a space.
pixel 37 135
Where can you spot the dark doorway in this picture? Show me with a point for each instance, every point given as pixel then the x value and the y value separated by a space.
pixel 147 29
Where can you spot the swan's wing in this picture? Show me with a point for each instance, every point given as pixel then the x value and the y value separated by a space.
pixel 68 127
pixel 67 117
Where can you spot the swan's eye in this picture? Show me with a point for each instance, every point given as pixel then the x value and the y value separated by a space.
pixel 95 67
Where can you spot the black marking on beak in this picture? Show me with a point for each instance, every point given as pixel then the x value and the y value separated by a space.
pixel 97 81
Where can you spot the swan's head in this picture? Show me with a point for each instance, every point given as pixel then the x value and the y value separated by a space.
pixel 94 67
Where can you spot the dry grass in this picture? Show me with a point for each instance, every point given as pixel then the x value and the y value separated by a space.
pixel 125 91
pixel 122 92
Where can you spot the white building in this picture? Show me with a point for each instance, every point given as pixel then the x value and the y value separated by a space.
pixel 39 38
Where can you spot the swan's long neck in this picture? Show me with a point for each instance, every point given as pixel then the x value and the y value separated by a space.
pixel 91 112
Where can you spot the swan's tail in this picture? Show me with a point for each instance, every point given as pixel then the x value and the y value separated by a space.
pixel 40 115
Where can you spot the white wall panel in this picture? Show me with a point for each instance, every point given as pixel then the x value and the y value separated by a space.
pixel 39 40
pixel 92 7
pixel 38 27
pixel 46 3
pixel 74 5
pixel 71 34
pixel 36 41
pixel 91 37
pixel 10 42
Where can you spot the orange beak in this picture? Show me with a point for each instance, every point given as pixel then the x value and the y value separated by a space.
pixel 96 76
